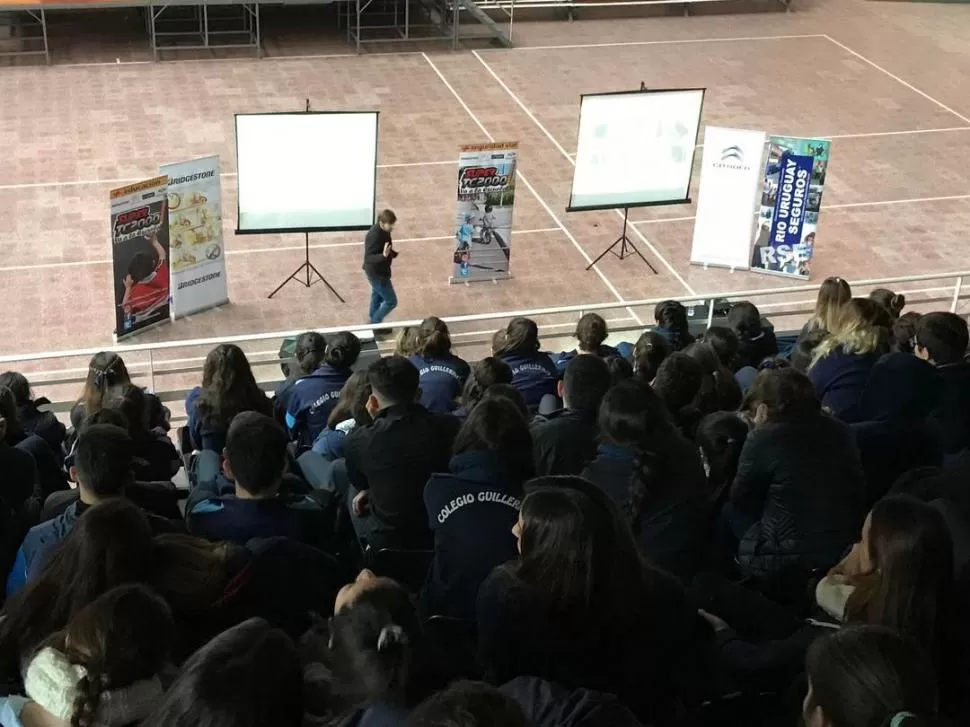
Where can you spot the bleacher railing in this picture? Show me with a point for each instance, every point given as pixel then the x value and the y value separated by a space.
pixel 178 364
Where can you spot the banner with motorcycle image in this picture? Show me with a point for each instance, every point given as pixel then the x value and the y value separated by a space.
pixel 195 228
pixel 483 220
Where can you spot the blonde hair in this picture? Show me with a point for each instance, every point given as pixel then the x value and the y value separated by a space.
pixel 833 294
pixel 407 342
pixel 862 326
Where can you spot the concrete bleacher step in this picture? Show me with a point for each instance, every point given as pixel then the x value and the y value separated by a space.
pixel 498 33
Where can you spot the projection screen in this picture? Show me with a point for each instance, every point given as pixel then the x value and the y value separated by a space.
pixel 306 172
pixel 635 148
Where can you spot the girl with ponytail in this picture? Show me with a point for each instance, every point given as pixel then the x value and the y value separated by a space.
pixel 654 474
pixel 442 374
pixel 671 318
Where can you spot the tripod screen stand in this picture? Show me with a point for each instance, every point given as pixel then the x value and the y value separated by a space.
pixel 304 274
pixel 627 248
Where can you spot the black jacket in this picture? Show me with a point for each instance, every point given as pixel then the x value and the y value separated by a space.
pixel 51 476
pixel 803 482
pixel 672 526
pixel 549 705
pixel 44 424
pixel 375 264
pixel 393 459
pixel 564 442
pixel 952 414
pixel 752 351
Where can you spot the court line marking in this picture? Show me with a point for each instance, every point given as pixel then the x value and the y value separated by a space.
pixel 256 250
pixel 896 78
pixel 625 43
pixel 83 182
pixel 559 146
pixel 525 181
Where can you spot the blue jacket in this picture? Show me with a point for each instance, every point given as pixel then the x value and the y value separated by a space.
pixel 441 381
pixel 39 543
pixel 471 513
pixel 203 437
pixel 840 379
pixel 563 359
pixel 311 400
pixel 533 374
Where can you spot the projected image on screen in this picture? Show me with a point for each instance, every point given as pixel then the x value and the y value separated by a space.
pixel 306 172
pixel 635 148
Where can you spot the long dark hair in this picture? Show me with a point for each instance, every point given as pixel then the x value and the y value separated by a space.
pixel 591 331
pixel 310 349
pixel 744 319
pixel 649 352
pixel 787 395
pixel 521 338
pixel 719 391
pixel 578 553
pixel 120 638
pixel 132 403
pixel 863 676
pixel 18 384
pixel 229 387
pixel 247 676
pixel 910 587
pixel 633 416
pixel 110 545
pixel 720 437
pixel 672 316
pixel 10 413
pixel 106 370
pixel 352 402
pixel 432 339
pixel 483 374
pixel 496 425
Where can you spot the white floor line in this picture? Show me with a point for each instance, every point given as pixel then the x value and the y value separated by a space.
pixel 643 238
pixel 532 189
pixel 891 133
pixel 896 78
pixel 259 250
pixel 227 175
pixel 621 44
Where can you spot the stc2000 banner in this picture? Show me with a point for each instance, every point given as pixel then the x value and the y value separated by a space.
pixel 139 253
pixel 483 221
pixel 790 203
pixel 195 227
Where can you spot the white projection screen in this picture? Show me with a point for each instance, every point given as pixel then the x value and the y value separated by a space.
pixel 635 148
pixel 306 172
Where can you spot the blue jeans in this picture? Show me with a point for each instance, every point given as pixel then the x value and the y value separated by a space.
pixel 383 299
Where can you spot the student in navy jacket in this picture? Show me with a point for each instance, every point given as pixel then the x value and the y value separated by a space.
pixel 309 350
pixel 533 372
pixel 671 318
pixel 441 374
pixel 482 375
pixel 842 362
pixel 942 339
pixel 34 421
pixel 314 396
pixel 591 332
pixel 255 459
pixel 756 336
pixel 471 511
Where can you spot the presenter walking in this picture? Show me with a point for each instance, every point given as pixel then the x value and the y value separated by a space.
pixel 379 253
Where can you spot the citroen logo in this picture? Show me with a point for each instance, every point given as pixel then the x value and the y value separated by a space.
pixel 732 154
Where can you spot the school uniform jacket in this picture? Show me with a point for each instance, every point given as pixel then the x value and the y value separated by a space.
pixel 533 374
pixel 311 400
pixel 441 381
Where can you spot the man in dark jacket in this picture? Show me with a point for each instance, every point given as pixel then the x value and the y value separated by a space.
pixel 942 339
pixel 565 441
pixel 379 253
pixel 389 462
pixel 255 459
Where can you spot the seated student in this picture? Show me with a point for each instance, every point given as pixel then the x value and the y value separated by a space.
pixel 483 374
pixel 564 441
pixel 255 460
pixel 105 371
pixel 893 431
pixel 571 608
pixel 247 676
pixel 533 372
pixel 671 319
pixel 34 421
pixel 799 492
pixel 350 413
pixel 720 390
pixel 471 511
pixel 756 336
pixel 373 655
pixel 102 469
pixel 591 332
pixel 102 669
pixel 228 388
pixel 441 374
pixel 155 457
pixel 833 293
pixel 842 362
pixel 648 353
pixel 620 369
pixel 868 675
pixel 51 477
pixel 725 343
pixel 903 336
pixel 892 302
pixel 388 463
pixel 469 704
pixel 655 475
pixel 315 395
pixel 942 339
pixel 720 438
pixel 678 384
pixel 308 351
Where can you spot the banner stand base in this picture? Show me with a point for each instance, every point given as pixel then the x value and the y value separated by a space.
pixel 452 280
pixel 308 268
pixel 722 266
pixel 627 248
pixel 152 327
